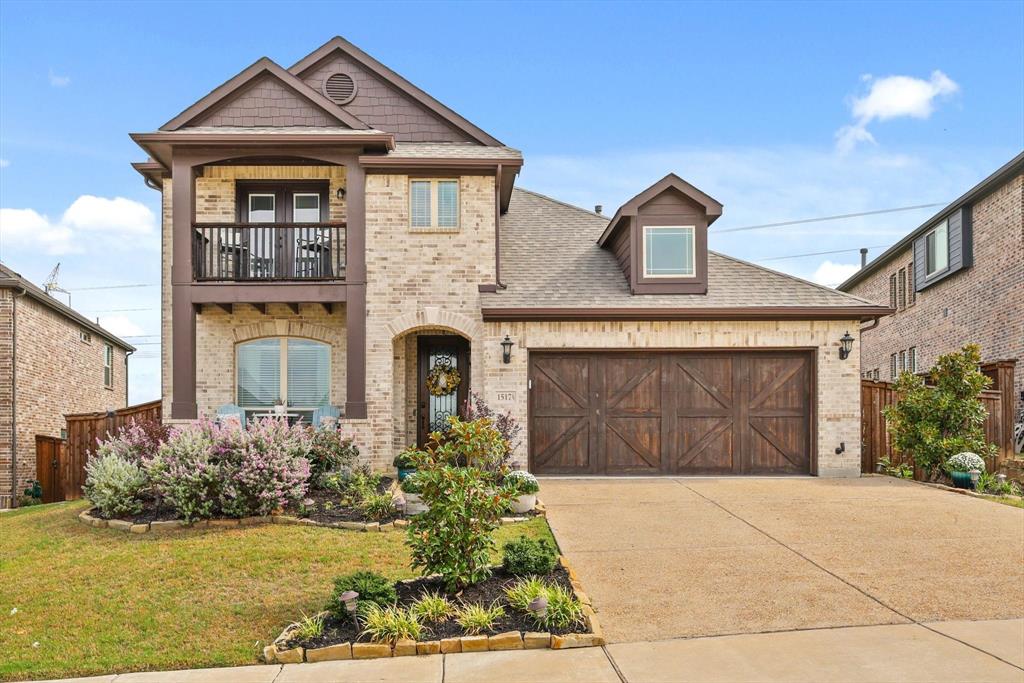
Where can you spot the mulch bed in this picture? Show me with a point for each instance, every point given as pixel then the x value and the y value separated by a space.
pixel 150 513
pixel 484 593
pixel 330 506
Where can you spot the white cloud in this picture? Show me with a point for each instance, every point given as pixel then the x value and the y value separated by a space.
pixel 88 217
pixel 120 325
pixel 832 274
pixel 892 97
pixel 59 81
pixel 4 163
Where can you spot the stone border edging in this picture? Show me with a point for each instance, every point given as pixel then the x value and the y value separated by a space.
pixel 510 640
pixel 951 489
pixel 175 524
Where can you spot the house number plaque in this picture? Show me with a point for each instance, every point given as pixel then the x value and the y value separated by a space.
pixel 506 396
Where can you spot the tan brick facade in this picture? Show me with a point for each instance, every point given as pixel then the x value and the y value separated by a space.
pixel 983 305
pixel 423 282
pixel 54 373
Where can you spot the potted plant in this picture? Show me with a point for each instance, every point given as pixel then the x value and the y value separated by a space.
pixel 411 491
pixel 404 463
pixel 965 468
pixel 526 488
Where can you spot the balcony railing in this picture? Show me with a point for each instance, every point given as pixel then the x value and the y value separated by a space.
pixel 268 251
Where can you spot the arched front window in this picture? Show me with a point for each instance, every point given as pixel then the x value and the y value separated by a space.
pixel 296 371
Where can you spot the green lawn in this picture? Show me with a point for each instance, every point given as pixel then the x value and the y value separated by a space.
pixel 93 601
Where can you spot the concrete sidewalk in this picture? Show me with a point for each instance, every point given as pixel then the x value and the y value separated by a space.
pixel 954 651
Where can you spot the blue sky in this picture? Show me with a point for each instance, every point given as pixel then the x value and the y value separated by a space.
pixel 779 111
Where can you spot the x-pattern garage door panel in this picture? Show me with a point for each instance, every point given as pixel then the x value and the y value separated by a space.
pixel 671 413
pixel 560 440
pixel 630 404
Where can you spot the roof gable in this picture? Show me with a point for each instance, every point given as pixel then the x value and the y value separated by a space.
pixel 386 100
pixel 711 206
pixel 264 94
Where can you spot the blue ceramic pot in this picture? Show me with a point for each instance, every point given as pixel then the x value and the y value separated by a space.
pixel 404 472
pixel 962 480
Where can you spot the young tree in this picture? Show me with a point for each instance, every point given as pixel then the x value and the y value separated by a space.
pixel 933 423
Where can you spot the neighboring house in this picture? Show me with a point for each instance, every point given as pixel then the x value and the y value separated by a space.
pixel 53 361
pixel 333 235
pixel 957 279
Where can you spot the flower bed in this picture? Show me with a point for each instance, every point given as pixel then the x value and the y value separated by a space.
pixel 515 629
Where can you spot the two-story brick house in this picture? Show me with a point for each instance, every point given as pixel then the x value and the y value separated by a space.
pixel 53 361
pixel 335 236
pixel 956 279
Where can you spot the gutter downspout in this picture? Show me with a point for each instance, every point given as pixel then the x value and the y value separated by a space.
pixel 497 230
pixel 126 354
pixel 873 325
pixel 14 396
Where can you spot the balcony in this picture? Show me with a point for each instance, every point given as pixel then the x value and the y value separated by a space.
pixel 266 252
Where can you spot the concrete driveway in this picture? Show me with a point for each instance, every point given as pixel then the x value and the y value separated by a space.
pixel 670 558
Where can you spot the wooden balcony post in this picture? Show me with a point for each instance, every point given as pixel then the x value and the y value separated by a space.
pixel 183 314
pixel 355 280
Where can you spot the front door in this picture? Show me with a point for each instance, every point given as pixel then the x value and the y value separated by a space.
pixel 442 382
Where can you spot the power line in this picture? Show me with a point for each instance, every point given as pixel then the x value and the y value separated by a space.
pixel 88 289
pixel 818 253
pixel 828 218
pixel 119 310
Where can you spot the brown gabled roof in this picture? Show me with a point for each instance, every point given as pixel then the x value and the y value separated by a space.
pixel 11 279
pixel 395 80
pixel 260 68
pixel 712 206
pixel 554 268
pixel 1008 170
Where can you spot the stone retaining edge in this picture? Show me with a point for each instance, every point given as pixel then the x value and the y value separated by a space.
pixel 175 524
pixel 510 640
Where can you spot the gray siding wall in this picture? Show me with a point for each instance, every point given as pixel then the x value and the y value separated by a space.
pixel 961 250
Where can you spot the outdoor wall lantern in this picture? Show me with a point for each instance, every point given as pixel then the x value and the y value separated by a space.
pixel 846 345
pixel 506 350
pixel 340 193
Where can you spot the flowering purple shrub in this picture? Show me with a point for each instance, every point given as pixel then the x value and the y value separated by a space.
pixel 135 442
pixel 266 467
pixel 205 470
pixel 476 407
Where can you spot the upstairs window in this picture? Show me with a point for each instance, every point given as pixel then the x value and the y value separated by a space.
pixel 669 251
pixel 912 359
pixel 306 207
pixel 892 291
pixel 903 288
pixel 262 207
pixel 108 365
pixel 434 204
pixel 937 249
pixel 893 370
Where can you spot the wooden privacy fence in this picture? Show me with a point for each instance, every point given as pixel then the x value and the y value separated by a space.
pixel 998 401
pixel 83 429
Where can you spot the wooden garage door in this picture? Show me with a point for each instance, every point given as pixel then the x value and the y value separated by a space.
pixel 670 413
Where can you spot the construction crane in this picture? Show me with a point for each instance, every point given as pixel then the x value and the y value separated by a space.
pixel 51 285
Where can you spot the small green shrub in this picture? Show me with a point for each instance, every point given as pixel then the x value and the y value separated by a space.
pixel 390 624
pixel 404 460
pixel 114 485
pixel 379 506
pixel 527 556
pixel 989 483
pixel 329 452
pixel 900 471
pixel 563 611
pixel 371 586
pixel 475 618
pixel 432 607
pixel 521 593
pixel 308 628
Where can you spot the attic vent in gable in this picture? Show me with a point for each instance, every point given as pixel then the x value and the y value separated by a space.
pixel 340 88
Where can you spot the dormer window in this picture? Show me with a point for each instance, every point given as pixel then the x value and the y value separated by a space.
pixel 669 251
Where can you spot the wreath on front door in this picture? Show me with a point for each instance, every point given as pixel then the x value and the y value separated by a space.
pixel 443 380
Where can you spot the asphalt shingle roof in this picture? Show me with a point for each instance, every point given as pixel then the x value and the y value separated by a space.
pixel 550 258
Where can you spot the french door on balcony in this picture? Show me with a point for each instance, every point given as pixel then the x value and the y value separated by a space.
pixel 282 239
